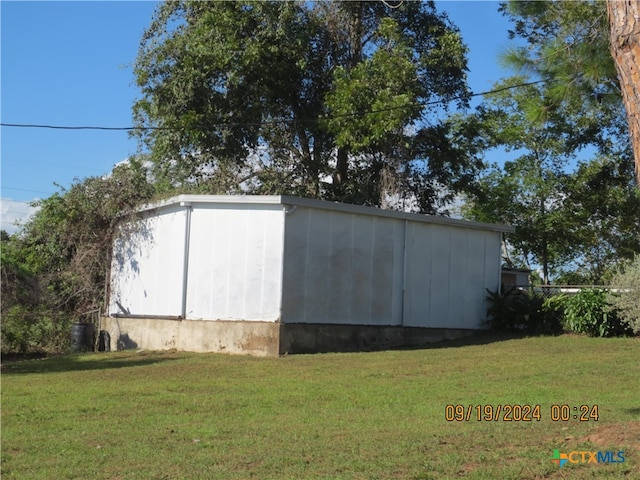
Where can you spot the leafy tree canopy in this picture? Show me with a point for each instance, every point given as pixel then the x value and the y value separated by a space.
pixel 336 100
pixel 525 191
pixel 567 46
pixel 574 221
pixel 601 207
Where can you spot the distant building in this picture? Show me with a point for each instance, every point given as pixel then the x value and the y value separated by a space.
pixel 515 277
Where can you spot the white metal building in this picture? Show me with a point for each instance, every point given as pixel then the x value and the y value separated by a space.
pixel 269 275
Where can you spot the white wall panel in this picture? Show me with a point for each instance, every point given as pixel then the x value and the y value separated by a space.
pixel 342 268
pixel 146 271
pixel 235 262
pixel 304 261
pixel 447 275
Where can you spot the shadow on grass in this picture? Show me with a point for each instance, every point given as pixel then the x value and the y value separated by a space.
pixel 86 361
pixel 481 338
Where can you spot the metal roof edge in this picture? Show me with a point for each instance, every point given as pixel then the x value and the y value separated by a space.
pixel 325 205
pixel 198 198
pixel 419 217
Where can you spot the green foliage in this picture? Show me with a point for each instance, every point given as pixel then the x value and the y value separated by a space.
pixel 567 45
pixel 526 191
pixel 67 242
pixel 53 272
pixel 578 49
pixel 507 311
pixel 573 223
pixel 25 330
pixel 589 312
pixel 280 97
pixel 18 285
pixel 551 320
pixel 623 295
pixel 375 99
pixel 600 211
pixel 515 310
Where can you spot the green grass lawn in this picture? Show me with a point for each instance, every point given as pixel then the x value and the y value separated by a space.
pixel 172 415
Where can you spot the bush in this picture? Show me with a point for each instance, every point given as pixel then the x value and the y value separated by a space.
pixel 515 310
pixel 624 294
pixel 506 310
pixel 590 313
pixel 552 315
pixel 24 332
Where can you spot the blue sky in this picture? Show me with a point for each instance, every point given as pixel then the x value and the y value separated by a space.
pixel 70 63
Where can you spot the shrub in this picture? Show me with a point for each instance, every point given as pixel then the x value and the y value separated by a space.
pixel 590 313
pixel 515 310
pixel 552 315
pixel 26 332
pixel 506 310
pixel 624 294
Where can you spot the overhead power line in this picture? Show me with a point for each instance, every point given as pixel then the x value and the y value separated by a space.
pixel 266 122
pixel 26 189
pixel 66 127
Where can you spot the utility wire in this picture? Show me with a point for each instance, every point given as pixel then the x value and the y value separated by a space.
pixel 268 122
pixel 64 127
pixel 29 190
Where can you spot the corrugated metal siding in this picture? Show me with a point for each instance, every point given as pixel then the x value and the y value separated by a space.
pixel 146 271
pixel 447 275
pixel 253 261
pixel 235 262
pixel 350 268
pixel 342 268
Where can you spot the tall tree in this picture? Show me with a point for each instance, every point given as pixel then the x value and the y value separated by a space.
pixel 600 213
pixel 568 46
pixel 322 99
pixel 527 190
pixel 624 22
pixel 574 222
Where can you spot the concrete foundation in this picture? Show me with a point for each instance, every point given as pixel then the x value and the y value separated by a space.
pixel 248 338
pixel 266 338
pixel 315 338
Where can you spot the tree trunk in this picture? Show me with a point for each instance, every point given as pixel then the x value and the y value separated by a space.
pixel 342 170
pixel 624 21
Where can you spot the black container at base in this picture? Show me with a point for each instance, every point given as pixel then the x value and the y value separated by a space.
pixel 104 341
pixel 82 337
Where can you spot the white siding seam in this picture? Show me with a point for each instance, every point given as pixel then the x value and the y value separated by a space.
pixel 185 259
pixel 404 271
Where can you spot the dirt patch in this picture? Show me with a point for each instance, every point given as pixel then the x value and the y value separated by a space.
pixel 615 435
